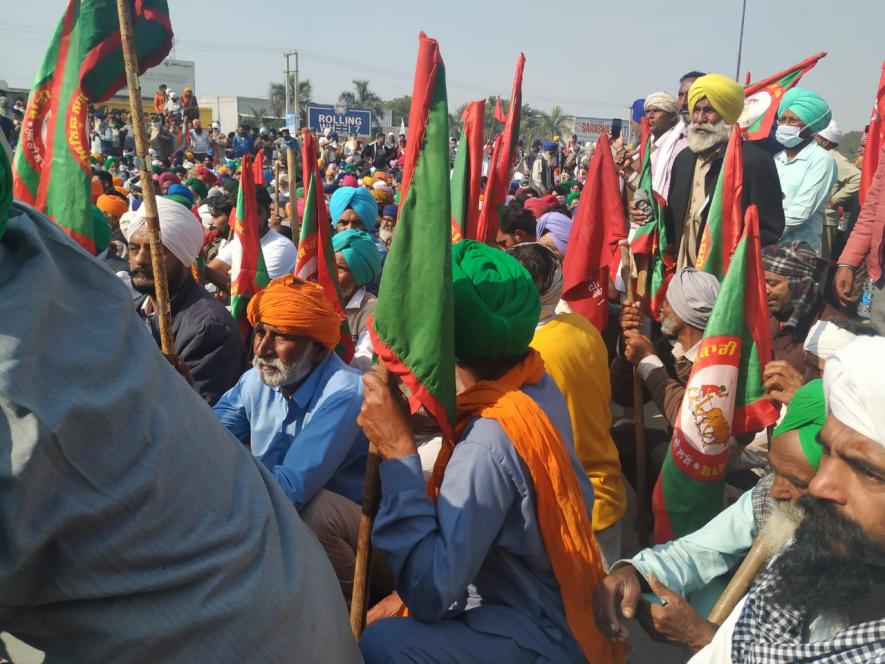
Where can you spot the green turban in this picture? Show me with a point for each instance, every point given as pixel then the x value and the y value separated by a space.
pixel 101 230
pixel 724 95
pixel 496 303
pixel 360 254
pixel 110 161
pixel 197 186
pixel 572 198
pixel 809 106
pixel 806 414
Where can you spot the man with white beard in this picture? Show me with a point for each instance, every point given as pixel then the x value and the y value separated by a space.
pixel 715 102
pixel 297 409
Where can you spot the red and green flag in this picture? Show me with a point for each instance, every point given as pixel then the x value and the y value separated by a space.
pixel 467 173
pixel 84 62
pixel 724 396
pixel 413 325
pixel 649 241
pixel 764 97
pixel 725 220
pixel 501 169
pixel 598 228
pixel 316 258
pixel 248 271
pixel 875 140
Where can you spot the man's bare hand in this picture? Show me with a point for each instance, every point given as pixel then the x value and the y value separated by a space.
pixel 388 607
pixel 384 418
pixel 614 598
pixel 675 621
pixel 781 380
pixel 631 316
pixel 636 347
pixel 843 282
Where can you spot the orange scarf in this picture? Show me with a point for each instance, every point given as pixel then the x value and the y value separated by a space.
pixel 562 515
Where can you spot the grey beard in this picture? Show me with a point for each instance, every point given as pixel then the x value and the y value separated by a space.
pixel 276 373
pixel 670 326
pixel 703 137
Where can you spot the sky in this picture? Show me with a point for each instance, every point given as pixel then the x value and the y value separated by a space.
pixel 591 58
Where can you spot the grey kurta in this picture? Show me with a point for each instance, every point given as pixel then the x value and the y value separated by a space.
pixel 133 526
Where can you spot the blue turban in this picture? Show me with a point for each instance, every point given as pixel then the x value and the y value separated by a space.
pixel 549 146
pixel 809 106
pixel 390 210
pixel 181 194
pixel 357 198
pixel 361 255
pixel 558 225
pixel 637 110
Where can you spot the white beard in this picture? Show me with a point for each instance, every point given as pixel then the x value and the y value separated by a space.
pixel 275 373
pixel 703 137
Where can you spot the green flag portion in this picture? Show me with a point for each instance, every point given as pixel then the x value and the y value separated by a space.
pixel 724 396
pixel 83 63
pixel 248 273
pixel 413 325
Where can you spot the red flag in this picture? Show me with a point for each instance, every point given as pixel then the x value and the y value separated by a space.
pixel 875 140
pixel 764 97
pixel 499 111
pixel 725 221
pixel 598 228
pixel 467 173
pixel 258 166
pixel 316 259
pixel 499 176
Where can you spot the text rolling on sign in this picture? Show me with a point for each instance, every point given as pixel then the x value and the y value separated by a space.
pixel 343 121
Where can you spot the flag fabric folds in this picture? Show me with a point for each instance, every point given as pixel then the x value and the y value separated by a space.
pixel 724 396
pixel 764 97
pixel 599 227
pixel 83 63
pixel 725 218
pixel 316 258
pixel 501 169
pixel 467 173
pixel 413 324
pixel 875 140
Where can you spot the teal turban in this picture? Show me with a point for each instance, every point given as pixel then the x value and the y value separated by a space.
pixel 806 415
pixel 101 230
pixel 357 198
pixel 360 253
pixel 809 106
pixel 496 303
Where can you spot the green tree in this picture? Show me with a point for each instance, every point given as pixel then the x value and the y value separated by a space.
pixel 399 108
pixel 276 94
pixel 555 122
pixel 850 145
pixel 277 98
pixel 257 116
pixel 362 97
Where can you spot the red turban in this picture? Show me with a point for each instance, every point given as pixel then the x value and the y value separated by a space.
pixel 297 307
pixel 538 206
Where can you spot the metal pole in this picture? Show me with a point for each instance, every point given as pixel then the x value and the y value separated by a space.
pixel 737 71
pixel 297 105
pixel 286 86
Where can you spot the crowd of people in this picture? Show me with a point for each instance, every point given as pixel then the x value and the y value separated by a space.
pixel 163 511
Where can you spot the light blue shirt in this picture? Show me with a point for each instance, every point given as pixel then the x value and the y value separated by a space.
pixel 479 550
pixel 806 182
pixel 310 441
pixel 692 563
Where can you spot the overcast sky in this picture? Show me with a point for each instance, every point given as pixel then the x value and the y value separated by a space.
pixel 591 58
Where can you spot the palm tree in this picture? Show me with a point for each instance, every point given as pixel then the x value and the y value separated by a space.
pixel 363 97
pixel 555 122
pixel 258 115
pixel 277 96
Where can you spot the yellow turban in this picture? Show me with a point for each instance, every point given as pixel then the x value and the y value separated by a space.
pixel 297 307
pixel 724 94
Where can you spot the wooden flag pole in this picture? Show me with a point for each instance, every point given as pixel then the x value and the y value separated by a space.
pixel 371 497
pixel 293 202
pixel 161 284
pixel 740 582
pixel 638 295
pixel 276 188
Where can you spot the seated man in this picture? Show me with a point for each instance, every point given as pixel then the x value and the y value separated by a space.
pixel 353 208
pixel 206 337
pixel 681 567
pixel 575 356
pixel 517 226
pixel 278 251
pixel 820 600
pixel 359 264
pixel 135 528
pixel 297 409
pixel 478 567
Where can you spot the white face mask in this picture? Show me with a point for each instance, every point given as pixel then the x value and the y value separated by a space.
pixel 788 135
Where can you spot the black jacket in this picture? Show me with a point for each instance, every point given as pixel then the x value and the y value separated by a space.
pixel 380 156
pixel 762 187
pixel 207 338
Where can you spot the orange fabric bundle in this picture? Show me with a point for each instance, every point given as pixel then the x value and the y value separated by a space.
pixel 562 515
pixel 112 204
pixel 297 307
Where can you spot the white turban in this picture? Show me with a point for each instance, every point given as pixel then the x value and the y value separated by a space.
pixel 825 338
pixel 180 231
pixel 692 294
pixel 832 133
pixel 662 101
pixel 854 383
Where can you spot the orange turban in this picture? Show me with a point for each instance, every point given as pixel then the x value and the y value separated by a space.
pixel 294 306
pixel 97 189
pixel 112 204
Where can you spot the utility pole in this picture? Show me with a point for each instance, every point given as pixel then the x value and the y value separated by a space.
pixel 295 91
pixel 286 84
pixel 737 73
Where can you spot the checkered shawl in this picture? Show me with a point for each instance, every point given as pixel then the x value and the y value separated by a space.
pixel 800 264
pixel 766 634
